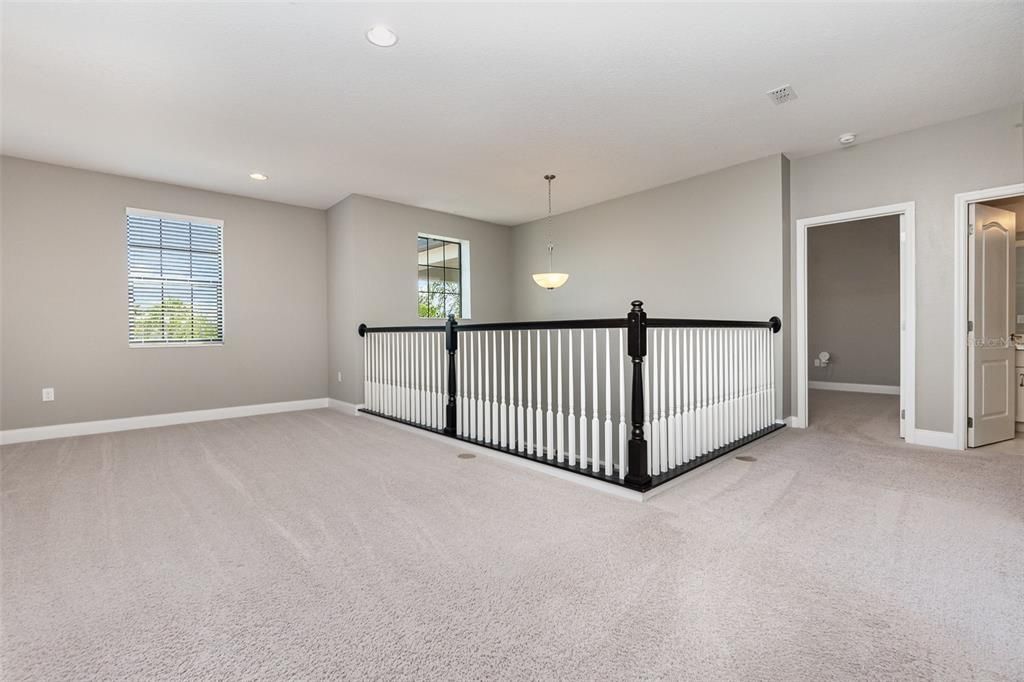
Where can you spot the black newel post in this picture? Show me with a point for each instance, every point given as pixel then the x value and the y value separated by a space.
pixel 451 344
pixel 636 474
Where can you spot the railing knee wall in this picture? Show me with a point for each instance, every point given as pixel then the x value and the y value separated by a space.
pixel 705 388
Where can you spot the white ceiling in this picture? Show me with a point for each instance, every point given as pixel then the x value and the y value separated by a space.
pixel 477 102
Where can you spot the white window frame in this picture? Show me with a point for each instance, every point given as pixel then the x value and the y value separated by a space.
pixel 149 213
pixel 464 273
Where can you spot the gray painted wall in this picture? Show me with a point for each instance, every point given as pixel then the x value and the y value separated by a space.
pixel 927 166
pixel 705 247
pixel 65 302
pixel 371 254
pixel 853 301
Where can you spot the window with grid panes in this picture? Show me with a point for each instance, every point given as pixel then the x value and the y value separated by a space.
pixel 440 277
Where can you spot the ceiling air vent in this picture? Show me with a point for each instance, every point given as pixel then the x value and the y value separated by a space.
pixel 782 95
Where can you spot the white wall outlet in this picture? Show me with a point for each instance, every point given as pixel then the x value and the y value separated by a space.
pixel 47 395
pixel 339 376
pixel 817 362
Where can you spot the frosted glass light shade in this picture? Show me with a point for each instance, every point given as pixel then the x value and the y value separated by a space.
pixel 551 280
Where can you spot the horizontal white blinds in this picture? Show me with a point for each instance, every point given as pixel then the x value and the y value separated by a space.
pixel 175 279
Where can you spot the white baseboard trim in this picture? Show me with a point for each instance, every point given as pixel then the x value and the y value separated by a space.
pixel 854 388
pixel 788 421
pixel 933 439
pixel 152 420
pixel 342 406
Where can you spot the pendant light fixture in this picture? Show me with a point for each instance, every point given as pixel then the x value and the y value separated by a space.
pixel 550 280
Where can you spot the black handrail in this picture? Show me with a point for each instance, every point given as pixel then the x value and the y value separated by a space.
pixel 775 324
pixel 364 330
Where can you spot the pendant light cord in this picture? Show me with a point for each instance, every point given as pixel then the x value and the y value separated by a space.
pixel 551 245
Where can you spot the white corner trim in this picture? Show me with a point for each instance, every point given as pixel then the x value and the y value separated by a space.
pixel 342 406
pixel 933 439
pixel 153 420
pixel 961 218
pixel 788 421
pixel 854 388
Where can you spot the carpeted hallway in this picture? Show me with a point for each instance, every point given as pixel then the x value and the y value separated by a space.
pixel 314 545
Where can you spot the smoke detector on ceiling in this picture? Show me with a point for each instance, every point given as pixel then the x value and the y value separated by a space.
pixel 846 139
pixel 782 95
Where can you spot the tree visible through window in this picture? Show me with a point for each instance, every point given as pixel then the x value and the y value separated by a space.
pixel 175 279
pixel 439 277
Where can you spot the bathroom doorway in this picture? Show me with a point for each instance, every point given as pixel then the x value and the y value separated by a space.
pixel 989 362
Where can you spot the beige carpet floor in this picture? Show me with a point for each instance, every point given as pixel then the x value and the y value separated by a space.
pixel 313 545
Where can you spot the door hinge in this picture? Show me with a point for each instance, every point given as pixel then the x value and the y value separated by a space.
pixel 970 326
pixel 970 422
pixel 903 414
pixel 970 229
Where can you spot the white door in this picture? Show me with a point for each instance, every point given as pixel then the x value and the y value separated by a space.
pixel 991 320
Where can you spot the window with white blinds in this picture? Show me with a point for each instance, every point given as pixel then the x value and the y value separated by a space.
pixel 175 279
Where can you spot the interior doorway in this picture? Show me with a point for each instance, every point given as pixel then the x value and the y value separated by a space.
pixel 903 217
pixel 989 325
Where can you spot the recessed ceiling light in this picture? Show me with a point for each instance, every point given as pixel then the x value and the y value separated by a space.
pixel 257 176
pixel 381 36
pixel 847 139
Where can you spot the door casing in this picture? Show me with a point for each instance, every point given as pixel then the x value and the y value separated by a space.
pixel 908 307
pixel 961 233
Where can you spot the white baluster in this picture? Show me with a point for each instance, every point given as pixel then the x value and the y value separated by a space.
pixel 520 423
pixel 655 437
pixel 481 433
pixel 583 400
pixel 511 441
pixel 424 375
pixel 539 414
pixel 572 416
pixel 678 434
pixel 549 436
pixel 384 385
pixel 494 391
pixel 609 444
pixel 560 424
pixel 671 411
pixel 716 432
pixel 764 374
pixel 528 412
pixel 403 379
pixel 730 367
pixel 490 426
pixel 418 378
pixel 771 377
pixel 647 410
pixel 748 422
pixel 663 414
pixel 460 395
pixel 418 412
pixel 595 422
pixel 502 408
pixel 622 407
pixel 438 387
pixel 687 395
pixel 441 355
pixel 698 392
